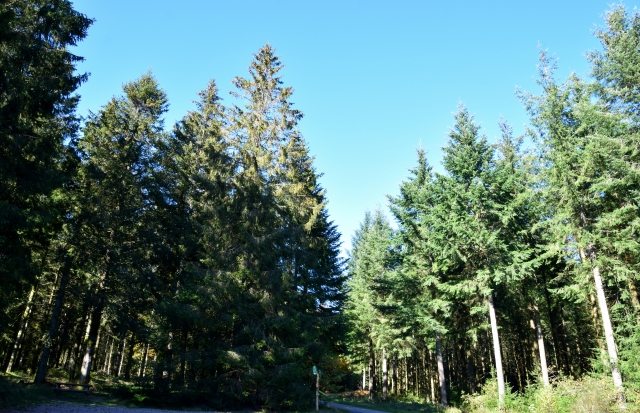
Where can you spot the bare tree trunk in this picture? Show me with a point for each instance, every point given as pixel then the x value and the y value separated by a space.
pixel 433 388
pixel 385 375
pixel 183 358
pixel 143 365
pixel 441 380
pixel 394 374
pixel 496 349
pixel 471 371
pixel 128 366
pixel 53 324
pixel 122 353
pixel 372 370
pixel 23 327
pixel 541 348
pixel 406 377
pixel 608 332
pixel 87 361
pixel 105 358
pixel 108 371
pixel 634 297
pixel 77 346
pixel 417 373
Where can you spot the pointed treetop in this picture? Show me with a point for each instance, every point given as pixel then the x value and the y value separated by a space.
pixel 146 95
pixel 467 154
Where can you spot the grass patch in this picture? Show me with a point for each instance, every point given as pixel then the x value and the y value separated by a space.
pixel 586 395
pixel 391 405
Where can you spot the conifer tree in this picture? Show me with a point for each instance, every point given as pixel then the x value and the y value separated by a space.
pixel 420 301
pixel 617 82
pixel 37 115
pixel 474 222
pixel 372 259
pixel 118 147
pixel 587 177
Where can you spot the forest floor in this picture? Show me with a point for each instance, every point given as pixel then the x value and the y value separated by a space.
pixel 105 397
pixel 22 398
pixel 70 407
pixel 97 404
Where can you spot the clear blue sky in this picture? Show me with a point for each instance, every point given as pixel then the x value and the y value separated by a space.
pixel 374 79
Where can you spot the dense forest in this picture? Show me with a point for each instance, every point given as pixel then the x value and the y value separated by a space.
pixel 198 260
pixel 517 265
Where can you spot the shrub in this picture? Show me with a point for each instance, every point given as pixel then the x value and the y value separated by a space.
pixel 587 395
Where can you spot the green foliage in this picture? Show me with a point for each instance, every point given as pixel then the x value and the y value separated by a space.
pixel 550 234
pixel 36 117
pixel 199 266
pixel 565 396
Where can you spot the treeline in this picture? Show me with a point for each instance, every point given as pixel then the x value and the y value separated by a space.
pixel 199 260
pixel 515 265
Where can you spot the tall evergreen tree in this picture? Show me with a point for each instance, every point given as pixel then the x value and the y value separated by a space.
pixel 37 115
pixel 118 147
pixel 591 184
pixel 372 260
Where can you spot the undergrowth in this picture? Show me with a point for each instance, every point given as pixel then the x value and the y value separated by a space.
pixel 586 395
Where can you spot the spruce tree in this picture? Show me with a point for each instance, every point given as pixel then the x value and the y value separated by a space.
pixel 118 146
pixel 37 115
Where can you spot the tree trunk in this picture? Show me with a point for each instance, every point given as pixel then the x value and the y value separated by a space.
pixel 633 292
pixel 541 348
pixel 471 371
pixel 417 373
pixel 53 324
pixel 608 332
pixel 23 326
pixel 394 374
pixel 406 377
pixel 443 387
pixel 108 361
pixel 385 375
pixel 183 357
pixel 127 369
pixel 431 383
pixel 122 352
pixel 96 317
pixel 105 356
pixel 372 370
pixel 496 349
pixel 78 343
pixel 143 365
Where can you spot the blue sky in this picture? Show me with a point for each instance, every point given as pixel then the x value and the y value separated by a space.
pixel 374 79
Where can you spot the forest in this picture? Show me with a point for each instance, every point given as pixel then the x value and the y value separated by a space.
pixel 196 264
